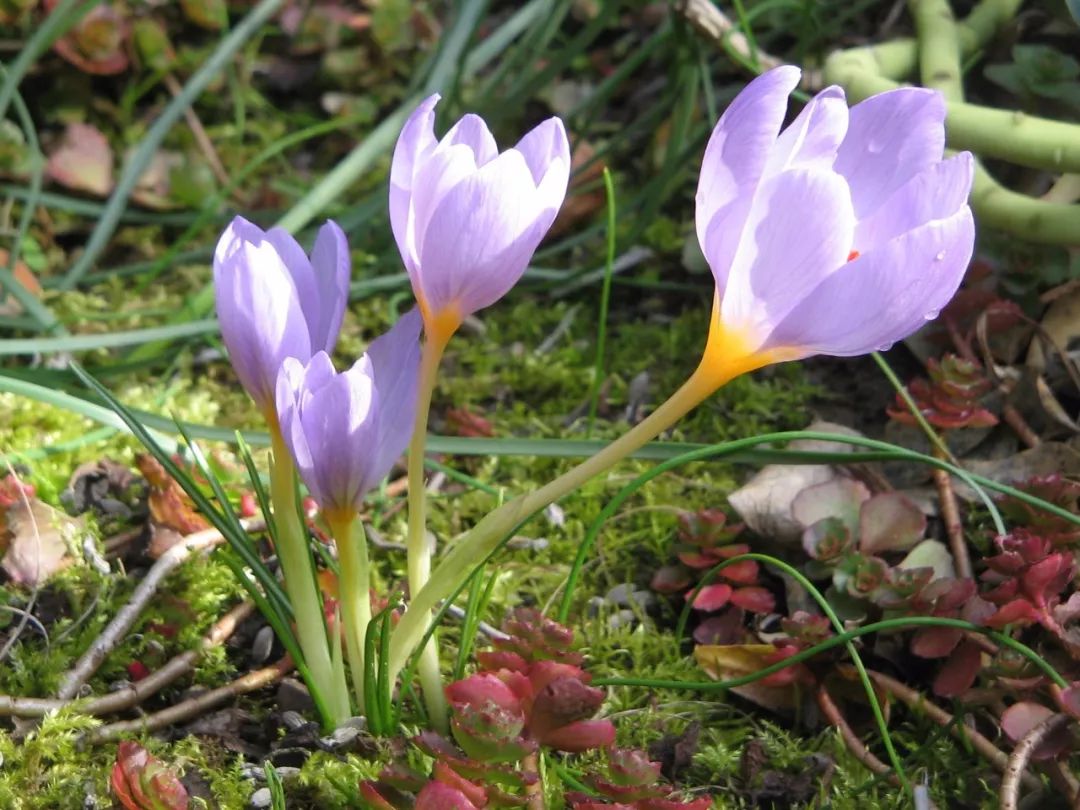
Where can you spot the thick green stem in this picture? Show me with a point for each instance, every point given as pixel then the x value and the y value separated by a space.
pixel 939 47
pixel 475 545
pixel 419 554
pixel 354 593
pixel 299 574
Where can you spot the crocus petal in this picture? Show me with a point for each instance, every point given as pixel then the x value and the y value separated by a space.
pixel 332 266
pixel 799 230
pixel 891 137
pixel 937 192
pixel 416 141
pixel 546 149
pixel 260 316
pixel 337 422
pixel 290 383
pixel 471 131
pixel 812 139
pixel 885 294
pixel 479 239
pixel 395 365
pixel 735 159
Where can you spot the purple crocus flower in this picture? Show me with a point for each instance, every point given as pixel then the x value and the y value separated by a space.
pixel 840 235
pixel 466 218
pixel 274 302
pixel 345 430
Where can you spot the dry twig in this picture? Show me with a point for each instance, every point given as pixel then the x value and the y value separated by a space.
pixel 192 708
pixel 851 739
pixel 918 703
pixel 1016 768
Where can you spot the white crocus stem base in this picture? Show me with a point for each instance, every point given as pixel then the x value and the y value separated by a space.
pixel 298 571
pixel 419 555
pixel 354 593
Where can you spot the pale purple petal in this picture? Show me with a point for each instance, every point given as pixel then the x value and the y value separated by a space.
pixel 480 237
pixel 891 137
pixel 937 192
pixel 395 365
pixel 544 147
pixel 298 264
pixel 416 141
pixel 885 294
pixel 442 171
pixel 260 316
pixel 471 131
pixel 736 156
pixel 238 231
pixel 290 387
pixel 811 140
pixel 799 231
pixel 332 266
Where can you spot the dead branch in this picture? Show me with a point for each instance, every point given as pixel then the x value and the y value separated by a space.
pixel 126 617
pixel 954 527
pixel 192 708
pixel 1016 768
pixel 918 703
pixel 851 739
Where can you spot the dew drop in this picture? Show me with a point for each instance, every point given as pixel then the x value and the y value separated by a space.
pixel 884 347
pixel 940 256
pixel 932 314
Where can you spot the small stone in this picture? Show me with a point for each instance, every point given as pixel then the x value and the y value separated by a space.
pixel 294 721
pixel 262 645
pixel 622 618
pixel 292 695
pixel 261 798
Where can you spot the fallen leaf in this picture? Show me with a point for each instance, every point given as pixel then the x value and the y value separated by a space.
pixel 1046 459
pixel 723 662
pixel 83 161
pixel 1020 718
pixel 9 305
pixel 39 541
pixel 764 502
pixel 172 515
pixel 96 44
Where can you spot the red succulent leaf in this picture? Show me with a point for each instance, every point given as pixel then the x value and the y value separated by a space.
pixel 137 670
pixel 581 736
pixel 711 597
pixel 935 642
pixel 494 660
pixel 959 672
pixel 706 527
pixel 1018 611
pixel 543 673
pixel 559 703
pixel 1044 580
pixel 440 796
pixel 1018 720
pixel 96 44
pixel 755 600
pixel 693 558
pixel 1068 699
pixel 796 673
pixel 143 782
pixel 480 690
pixel 583 801
pixel 704 803
pixel 890 522
pixel 725 627
pixel 632 766
pixel 373 796
pixel 442 772
pixel 827 540
pixel 744 572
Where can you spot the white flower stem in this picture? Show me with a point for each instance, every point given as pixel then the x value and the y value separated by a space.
pixel 300 586
pixel 419 555
pixel 354 593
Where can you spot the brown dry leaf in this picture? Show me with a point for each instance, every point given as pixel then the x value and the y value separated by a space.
pixel 722 662
pixel 1047 458
pixel 764 502
pixel 1061 323
pixel 39 541
pixel 83 161
pixel 172 515
pixel 25 276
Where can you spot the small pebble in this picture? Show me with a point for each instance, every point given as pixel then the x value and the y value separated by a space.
pixel 293 721
pixel 262 645
pixel 261 798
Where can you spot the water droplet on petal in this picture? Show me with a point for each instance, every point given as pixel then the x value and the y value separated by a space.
pixel 932 314
pixel 940 256
pixel 884 347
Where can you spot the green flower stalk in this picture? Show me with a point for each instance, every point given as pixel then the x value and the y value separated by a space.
pixel 466 219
